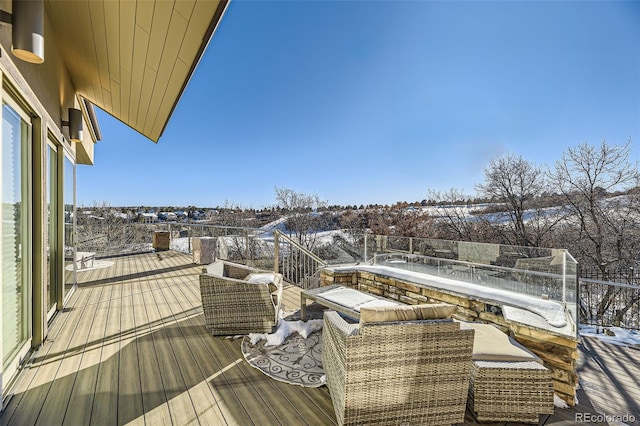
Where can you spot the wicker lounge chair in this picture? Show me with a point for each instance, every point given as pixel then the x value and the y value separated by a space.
pixel 403 372
pixel 508 382
pixel 237 299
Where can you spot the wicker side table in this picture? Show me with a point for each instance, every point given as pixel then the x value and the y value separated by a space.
pixel 505 391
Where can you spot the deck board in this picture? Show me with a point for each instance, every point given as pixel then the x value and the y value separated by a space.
pixel 131 348
pixel 178 400
pixel 46 369
pixel 25 383
pixel 246 391
pixel 205 407
pixel 207 354
pixel 129 388
pixel 212 406
pixel 153 392
pixel 83 391
pixel 105 402
pixel 621 365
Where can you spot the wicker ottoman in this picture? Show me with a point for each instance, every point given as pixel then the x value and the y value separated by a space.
pixel 505 391
pixel 508 382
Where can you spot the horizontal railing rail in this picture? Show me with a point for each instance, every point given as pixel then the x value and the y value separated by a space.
pixel 260 248
pixel 609 304
pixel 601 302
pixel 240 244
pixel 303 249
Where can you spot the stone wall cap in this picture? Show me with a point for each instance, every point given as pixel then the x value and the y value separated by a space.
pixel 553 313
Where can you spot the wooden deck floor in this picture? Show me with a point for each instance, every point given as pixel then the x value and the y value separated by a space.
pixel 131 348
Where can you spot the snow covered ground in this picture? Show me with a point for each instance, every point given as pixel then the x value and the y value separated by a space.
pixel 180 244
pixel 621 337
pixel 285 329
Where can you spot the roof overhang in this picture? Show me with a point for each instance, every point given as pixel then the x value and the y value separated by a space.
pixel 134 58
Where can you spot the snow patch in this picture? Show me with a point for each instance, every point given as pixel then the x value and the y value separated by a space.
pixel 621 336
pixel 559 402
pixel 285 329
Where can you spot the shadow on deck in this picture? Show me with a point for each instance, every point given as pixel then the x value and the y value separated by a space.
pixel 133 348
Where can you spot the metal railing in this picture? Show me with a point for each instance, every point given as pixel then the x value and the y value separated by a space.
pixel 128 237
pixel 609 304
pixel 297 264
pixel 535 270
pixel 250 246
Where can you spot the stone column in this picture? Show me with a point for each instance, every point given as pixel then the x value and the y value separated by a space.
pixel 204 250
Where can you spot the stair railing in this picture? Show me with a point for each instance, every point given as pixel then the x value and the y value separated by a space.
pixel 297 264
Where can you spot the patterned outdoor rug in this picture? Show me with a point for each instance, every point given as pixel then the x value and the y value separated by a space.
pixel 297 361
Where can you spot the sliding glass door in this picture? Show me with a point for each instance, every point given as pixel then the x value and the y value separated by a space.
pixel 16 252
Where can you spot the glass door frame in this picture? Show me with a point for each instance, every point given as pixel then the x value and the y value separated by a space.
pixel 67 291
pixel 26 165
pixel 52 235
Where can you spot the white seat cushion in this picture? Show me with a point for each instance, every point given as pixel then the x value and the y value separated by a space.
pixel 347 297
pixel 491 344
pixel 261 278
pixel 215 268
pixel 377 303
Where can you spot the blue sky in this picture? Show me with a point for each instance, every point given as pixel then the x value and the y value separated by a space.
pixel 378 101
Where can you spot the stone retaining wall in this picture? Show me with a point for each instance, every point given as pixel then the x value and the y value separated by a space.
pixel 558 352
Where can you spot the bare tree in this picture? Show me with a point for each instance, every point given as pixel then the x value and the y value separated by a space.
pixel 603 229
pixel 105 230
pixel 234 215
pixel 239 240
pixel 518 185
pixel 412 223
pixel 454 221
pixel 353 220
pixel 304 215
pixel 605 226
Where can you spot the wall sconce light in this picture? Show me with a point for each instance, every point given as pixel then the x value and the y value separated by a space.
pixel 27 32
pixel 74 124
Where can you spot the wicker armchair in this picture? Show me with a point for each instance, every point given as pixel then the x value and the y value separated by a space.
pixel 237 299
pixel 413 372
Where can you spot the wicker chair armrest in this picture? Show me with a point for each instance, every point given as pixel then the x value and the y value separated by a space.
pixel 213 277
pixel 276 296
pixel 279 289
pixel 238 271
pixel 335 335
pixel 340 324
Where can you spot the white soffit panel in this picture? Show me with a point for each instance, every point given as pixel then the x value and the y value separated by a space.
pixel 133 58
